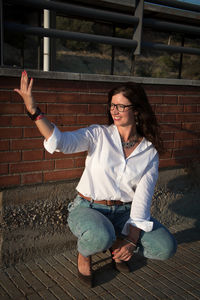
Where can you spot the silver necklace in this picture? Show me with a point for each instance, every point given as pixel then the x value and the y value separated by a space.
pixel 129 144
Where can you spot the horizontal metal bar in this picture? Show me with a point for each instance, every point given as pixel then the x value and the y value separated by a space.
pixel 161 25
pixel 83 37
pixel 175 49
pixel 176 4
pixel 81 11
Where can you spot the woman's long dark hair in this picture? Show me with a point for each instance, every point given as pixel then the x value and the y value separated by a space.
pixel 147 124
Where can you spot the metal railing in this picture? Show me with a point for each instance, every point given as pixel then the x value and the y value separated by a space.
pixel 116 18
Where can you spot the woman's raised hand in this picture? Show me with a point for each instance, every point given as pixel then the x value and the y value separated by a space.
pixel 25 92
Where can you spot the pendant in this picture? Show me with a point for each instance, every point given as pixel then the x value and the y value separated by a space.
pixel 130 144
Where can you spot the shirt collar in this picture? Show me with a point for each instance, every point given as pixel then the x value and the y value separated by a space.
pixel 144 145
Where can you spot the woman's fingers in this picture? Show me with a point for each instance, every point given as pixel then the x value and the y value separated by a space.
pixel 123 253
pixel 25 91
pixel 30 86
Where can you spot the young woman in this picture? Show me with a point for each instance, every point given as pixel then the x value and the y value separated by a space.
pixel 112 207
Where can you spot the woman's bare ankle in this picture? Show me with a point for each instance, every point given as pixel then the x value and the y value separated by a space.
pixel 84 264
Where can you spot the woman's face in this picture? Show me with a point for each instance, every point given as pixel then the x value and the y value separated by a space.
pixel 125 118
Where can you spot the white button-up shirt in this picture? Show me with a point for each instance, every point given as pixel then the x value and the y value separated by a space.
pixel 108 175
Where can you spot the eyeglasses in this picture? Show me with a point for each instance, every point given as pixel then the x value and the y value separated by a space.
pixel 119 107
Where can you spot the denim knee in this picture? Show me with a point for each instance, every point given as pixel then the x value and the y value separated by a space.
pixel 94 241
pixel 94 231
pixel 158 244
pixel 168 250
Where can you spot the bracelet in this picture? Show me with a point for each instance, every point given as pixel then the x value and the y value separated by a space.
pixel 41 116
pixel 129 241
pixel 35 115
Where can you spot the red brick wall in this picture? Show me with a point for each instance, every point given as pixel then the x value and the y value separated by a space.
pixel 73 104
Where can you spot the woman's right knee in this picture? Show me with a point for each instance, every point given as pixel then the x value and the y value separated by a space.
pixel 94 231
pixel 93 241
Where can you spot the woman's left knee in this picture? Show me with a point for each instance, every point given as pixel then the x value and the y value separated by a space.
pixel 168 249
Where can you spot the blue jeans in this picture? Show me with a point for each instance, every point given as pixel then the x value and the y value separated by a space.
pixel 96 226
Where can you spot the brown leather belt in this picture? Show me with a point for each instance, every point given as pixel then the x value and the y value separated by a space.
pixel 104 202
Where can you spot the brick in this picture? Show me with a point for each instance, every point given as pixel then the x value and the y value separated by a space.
pixel 63 120
pixel 93 98
pixel 189 99
pixel 45 97
pixel 167 136
pixel 32 178
pixel 99 87
pixel 166 154
pixel 55 155
pixel 92 120
pixel 170 127
pixel 170 99
pixel 31 166
pixel 191 126
pixel 155 99
pixel 168 163
pixel 67 109
pixel 12 108
pixel 27 144
pixel 186 152
pixel 159 118
pixel 9 180
pixel 185 135
pixel 21 121
pixel 169 109
pixel 64 163
pixel 69 98
pixel 153 106
pixel 4 145
pixel 15 97
pixel 97 109
pixel 183 143
pixel 10 156
pixel 190 108
pixel 168 144
pixel 31 132
pixel 79 162
pixel 5 121
pixel 33 155
pixel 63 175
pixel 188 117
pixel 4 169
pixel 10 132
pixel 9 82
pixel 48 85
pixel 169 118
pixel 5 96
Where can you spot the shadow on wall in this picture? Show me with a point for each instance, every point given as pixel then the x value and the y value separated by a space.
pixel 186 189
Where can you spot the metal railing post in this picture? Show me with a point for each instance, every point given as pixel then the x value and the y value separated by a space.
pixel 46 42
pixel 138 31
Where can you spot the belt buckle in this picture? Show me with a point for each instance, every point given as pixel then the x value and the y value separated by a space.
pixel 109 202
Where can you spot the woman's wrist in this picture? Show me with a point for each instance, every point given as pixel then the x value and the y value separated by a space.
pixel 130 242
pixel 38 114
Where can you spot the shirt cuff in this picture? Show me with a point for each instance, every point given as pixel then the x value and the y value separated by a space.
pixel 144 225
pixel 52 143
